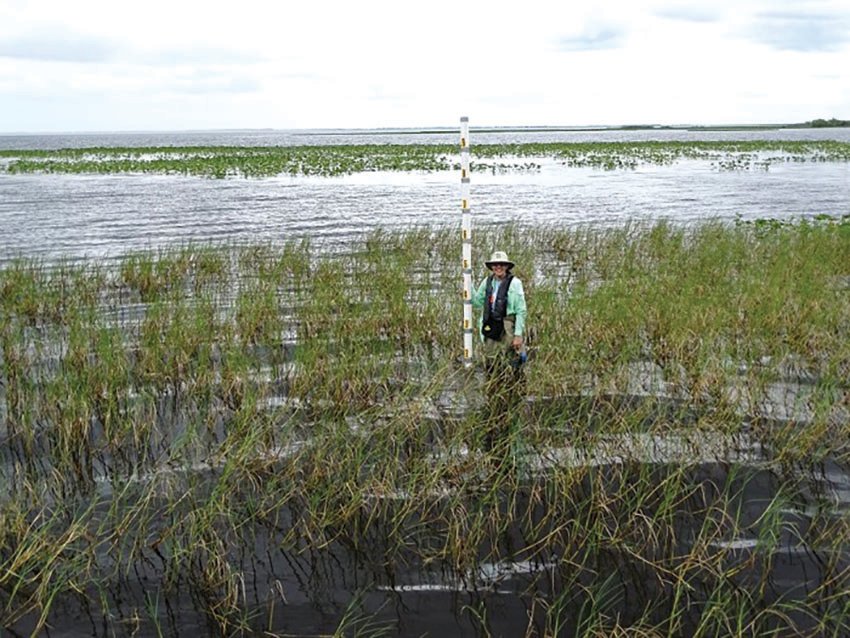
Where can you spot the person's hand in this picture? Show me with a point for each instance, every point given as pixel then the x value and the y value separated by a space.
pixel 517 343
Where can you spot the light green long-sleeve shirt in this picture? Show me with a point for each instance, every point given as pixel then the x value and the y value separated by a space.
pixel 516 302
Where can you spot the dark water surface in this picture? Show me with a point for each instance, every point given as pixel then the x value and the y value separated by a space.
pixel 80 216
pixel 304 590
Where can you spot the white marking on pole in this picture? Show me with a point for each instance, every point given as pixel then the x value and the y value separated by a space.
pixel 466 241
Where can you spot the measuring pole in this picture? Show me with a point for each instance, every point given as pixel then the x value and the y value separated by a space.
pixel 466 239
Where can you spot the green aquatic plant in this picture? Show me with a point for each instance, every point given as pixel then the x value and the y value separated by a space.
pixel 334 160
pixel 237 426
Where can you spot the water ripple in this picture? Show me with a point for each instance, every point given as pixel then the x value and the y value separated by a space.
pixel 51 216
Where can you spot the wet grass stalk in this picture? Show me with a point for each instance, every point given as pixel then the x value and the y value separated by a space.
pixel 188 406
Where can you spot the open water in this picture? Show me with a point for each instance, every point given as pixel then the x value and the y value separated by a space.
pixel 104 216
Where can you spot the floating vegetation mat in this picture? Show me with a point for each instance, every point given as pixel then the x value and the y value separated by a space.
pixel 268 440
pixel 265 161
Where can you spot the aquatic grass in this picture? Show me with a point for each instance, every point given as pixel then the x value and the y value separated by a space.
pixel 334 160
pixel 315 406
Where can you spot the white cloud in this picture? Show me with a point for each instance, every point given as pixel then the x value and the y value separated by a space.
pixel 158 65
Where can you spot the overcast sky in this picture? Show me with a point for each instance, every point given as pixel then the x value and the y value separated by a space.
pixel 81 65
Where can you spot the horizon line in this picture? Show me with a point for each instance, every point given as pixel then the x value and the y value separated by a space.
pixel 484 128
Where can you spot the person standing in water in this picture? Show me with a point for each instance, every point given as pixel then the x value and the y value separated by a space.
pixel 502 299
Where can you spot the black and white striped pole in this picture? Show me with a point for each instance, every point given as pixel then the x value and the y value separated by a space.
pixel 466 239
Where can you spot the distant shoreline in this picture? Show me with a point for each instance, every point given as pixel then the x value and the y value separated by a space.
pixel 584 129
pixel 442 130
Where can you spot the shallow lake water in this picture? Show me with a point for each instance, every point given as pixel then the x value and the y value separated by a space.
pixel 80 216
pixel 306 590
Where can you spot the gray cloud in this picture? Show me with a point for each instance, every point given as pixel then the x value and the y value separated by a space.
pixel 594 38
pixel 59 47
pixel 806 32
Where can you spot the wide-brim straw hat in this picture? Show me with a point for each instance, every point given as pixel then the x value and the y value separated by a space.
pixel 499 257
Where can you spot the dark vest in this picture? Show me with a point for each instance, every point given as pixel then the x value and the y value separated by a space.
pixel 500 306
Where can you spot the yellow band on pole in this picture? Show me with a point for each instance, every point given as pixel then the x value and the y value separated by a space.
pixel 466 234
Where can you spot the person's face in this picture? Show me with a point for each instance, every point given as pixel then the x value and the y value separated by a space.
pixel 499 270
